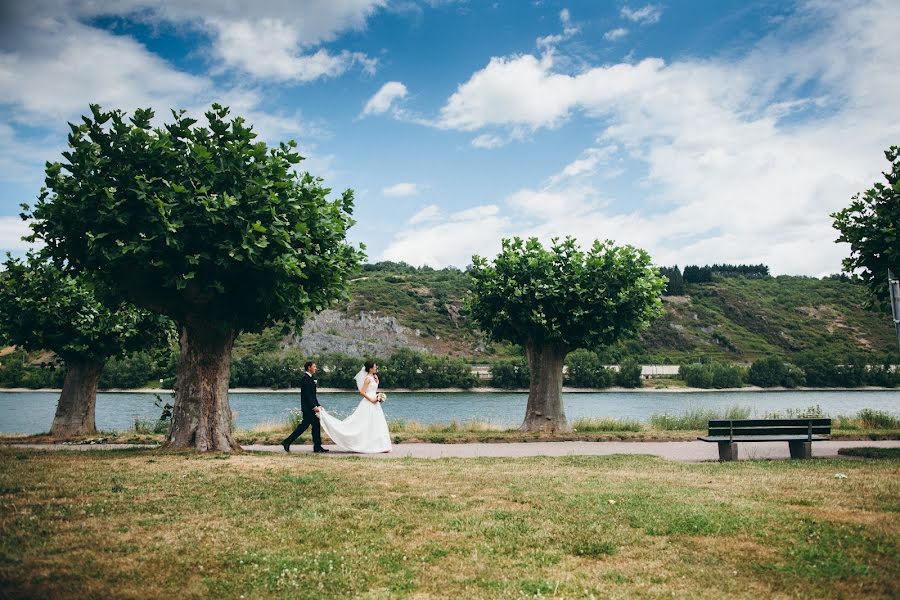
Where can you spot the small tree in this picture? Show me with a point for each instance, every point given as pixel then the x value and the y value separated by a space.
pixel 43 309
pixel 553 301
pixel 204 225
pixel 871 225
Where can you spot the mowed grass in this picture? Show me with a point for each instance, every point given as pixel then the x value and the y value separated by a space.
pixel 144 524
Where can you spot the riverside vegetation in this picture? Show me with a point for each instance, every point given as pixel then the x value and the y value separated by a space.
pixel 104 524
pixel 816 330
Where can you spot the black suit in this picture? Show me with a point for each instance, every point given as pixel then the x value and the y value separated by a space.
pixel 308 402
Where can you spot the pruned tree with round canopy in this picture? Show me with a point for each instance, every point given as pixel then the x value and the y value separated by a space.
pixel 203 224
pixel 41 308
pixel 552 301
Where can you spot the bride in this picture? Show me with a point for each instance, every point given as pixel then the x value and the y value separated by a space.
pixel 365 430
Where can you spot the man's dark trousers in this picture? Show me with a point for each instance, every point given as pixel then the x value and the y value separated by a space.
pixel 308 402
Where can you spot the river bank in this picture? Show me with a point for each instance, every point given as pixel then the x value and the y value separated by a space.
pixel 491 390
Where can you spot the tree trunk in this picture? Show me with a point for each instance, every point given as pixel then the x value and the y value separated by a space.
pixel 78 400
pixel 201 417
pixel 545 408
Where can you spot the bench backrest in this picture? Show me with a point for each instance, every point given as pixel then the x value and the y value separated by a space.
pixel 738 427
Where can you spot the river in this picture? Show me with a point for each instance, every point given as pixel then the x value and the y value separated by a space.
pixel 32 412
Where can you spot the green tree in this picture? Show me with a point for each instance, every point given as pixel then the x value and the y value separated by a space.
pixel 629 374
pixel 202 224
pixel 585 369
pixel 552 301
pixel 41 308
pixel 871 225
pixel 510 373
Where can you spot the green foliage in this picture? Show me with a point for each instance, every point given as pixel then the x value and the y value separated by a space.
pixel 731 319
pixel 17 372
pixel 137 369
pixel 416 370
pixel 871 225
pixel 774 372
pixel 878 419
pixel 629 374
pixel 510 374
pixel 712 375
pixel 43 308
pixel 585 369
pixel 675 283
pixel 403 369
pixel 563 295
pixel 198 223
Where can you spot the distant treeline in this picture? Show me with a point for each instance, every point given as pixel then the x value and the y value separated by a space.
pixel 697 274
pixel 418 370
pixel 811 370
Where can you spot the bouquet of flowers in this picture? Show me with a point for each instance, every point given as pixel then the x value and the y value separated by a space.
pixel 380 396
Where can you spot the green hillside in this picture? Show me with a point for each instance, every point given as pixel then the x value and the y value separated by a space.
pixel 736 319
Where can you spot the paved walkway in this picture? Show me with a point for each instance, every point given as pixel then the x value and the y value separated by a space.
pixel 682 451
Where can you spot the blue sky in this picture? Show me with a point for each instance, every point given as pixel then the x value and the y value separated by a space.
pixel 704 131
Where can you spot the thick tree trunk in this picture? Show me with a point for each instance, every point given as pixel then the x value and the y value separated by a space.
pixel 201 417
pixel 545 408
pixel 78 400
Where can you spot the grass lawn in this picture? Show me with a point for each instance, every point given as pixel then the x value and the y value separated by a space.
pixel 143 524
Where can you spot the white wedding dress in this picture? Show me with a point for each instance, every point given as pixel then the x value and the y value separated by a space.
pixel 365 431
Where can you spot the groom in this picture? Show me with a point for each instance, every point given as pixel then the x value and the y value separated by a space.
pixel 309 405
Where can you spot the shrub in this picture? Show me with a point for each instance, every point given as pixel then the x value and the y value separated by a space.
pixel 510 374
pixel 876 419
pixel 629 374
pixel 712 375
pixel 585 369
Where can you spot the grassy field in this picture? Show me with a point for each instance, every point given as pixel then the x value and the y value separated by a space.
pixel 141 524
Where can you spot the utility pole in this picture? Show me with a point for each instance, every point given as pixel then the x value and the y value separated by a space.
pixel 894 285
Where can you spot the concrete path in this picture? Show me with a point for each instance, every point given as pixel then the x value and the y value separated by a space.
pixel 682 451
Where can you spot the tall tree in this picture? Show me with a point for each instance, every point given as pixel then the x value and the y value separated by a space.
pixel 552 301
pixel 204 225
pixel 871 225
pixel 42 308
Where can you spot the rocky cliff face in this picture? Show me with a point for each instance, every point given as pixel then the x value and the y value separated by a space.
pixel 362 334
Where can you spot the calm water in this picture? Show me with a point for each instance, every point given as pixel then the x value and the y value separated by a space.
pixel 32 412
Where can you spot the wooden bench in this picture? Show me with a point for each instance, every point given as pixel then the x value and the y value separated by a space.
pixel 798 433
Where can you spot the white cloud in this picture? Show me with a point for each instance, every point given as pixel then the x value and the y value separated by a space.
pixel 384 98
pixel 12 229
pixel 747 172
pixel 63 66
pixel 646 15
pixel 399 190
pixel 268 49
pixel 584 165
pixel 268 40
pixel 428 213
pixel 452 241
pixel 488 141
pixel 615 34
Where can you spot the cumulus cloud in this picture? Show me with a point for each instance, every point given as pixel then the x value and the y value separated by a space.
pixel 272 40
pixel 646 15
pixel 451 241
pixel 399 190
pixel 744 172
pixel 385 98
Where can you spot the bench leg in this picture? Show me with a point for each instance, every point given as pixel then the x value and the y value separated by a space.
pixel 800 449
pixel 727 451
